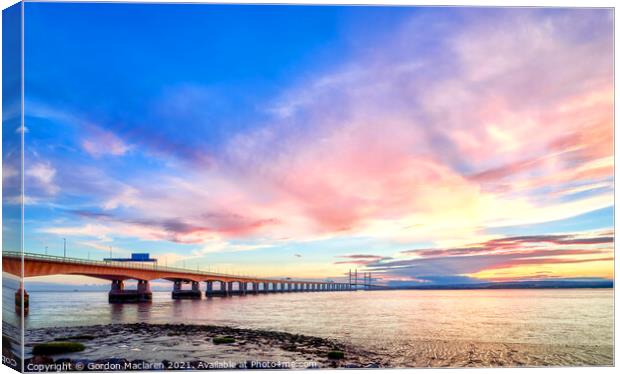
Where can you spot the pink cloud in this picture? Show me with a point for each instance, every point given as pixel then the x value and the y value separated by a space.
pixel 448 142
pixel 100 143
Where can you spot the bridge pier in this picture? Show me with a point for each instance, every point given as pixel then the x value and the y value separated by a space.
pixel 18 300
pixel 118 293
pixel 210 292
pixel 179 293
pixel 229 289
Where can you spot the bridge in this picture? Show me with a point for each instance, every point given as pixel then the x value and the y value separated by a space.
pixel 217 284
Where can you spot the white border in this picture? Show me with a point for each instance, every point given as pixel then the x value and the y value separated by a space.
pixel 485 3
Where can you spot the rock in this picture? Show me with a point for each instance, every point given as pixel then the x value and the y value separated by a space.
pixel 117 361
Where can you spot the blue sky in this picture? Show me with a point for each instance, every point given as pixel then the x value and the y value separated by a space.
pixel 284 140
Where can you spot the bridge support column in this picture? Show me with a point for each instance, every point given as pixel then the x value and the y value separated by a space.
pixel 230 289
pixel 209 290
pixel 118 293
pixel 179 293
pixel 255 288
pixel 18 300
pixel 144 291
pixel 243 288
pixel 220 292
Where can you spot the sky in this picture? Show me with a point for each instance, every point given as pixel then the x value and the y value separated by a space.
pixel 426 145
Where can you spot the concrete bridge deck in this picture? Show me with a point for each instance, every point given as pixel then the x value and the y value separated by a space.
pixel 35 265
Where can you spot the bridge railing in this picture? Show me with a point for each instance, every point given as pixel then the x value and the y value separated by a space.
pixel 143 266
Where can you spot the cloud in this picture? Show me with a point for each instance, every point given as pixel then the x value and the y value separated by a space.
pixel 517 242
pixel 503 253
pixel 431 137
pixel 126 198
pixel 214 226
pixel 360 259
pixel 103 143
pixel 40 178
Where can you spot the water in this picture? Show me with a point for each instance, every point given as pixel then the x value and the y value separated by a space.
pixel 378 319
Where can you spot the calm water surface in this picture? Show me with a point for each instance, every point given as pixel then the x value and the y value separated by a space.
pixel 381 318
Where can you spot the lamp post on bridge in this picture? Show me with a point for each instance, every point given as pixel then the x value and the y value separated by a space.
pixel 64 247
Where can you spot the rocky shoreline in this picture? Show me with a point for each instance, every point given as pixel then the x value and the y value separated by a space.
pixel 143 346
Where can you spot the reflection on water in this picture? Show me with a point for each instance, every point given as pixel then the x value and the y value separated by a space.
pixel 381 318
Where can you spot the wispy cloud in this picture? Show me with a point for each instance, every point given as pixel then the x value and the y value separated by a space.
pixel 529 254
pixel 101 143
pixel 360 259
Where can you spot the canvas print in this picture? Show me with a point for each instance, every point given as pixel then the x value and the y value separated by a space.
pixel 235 186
